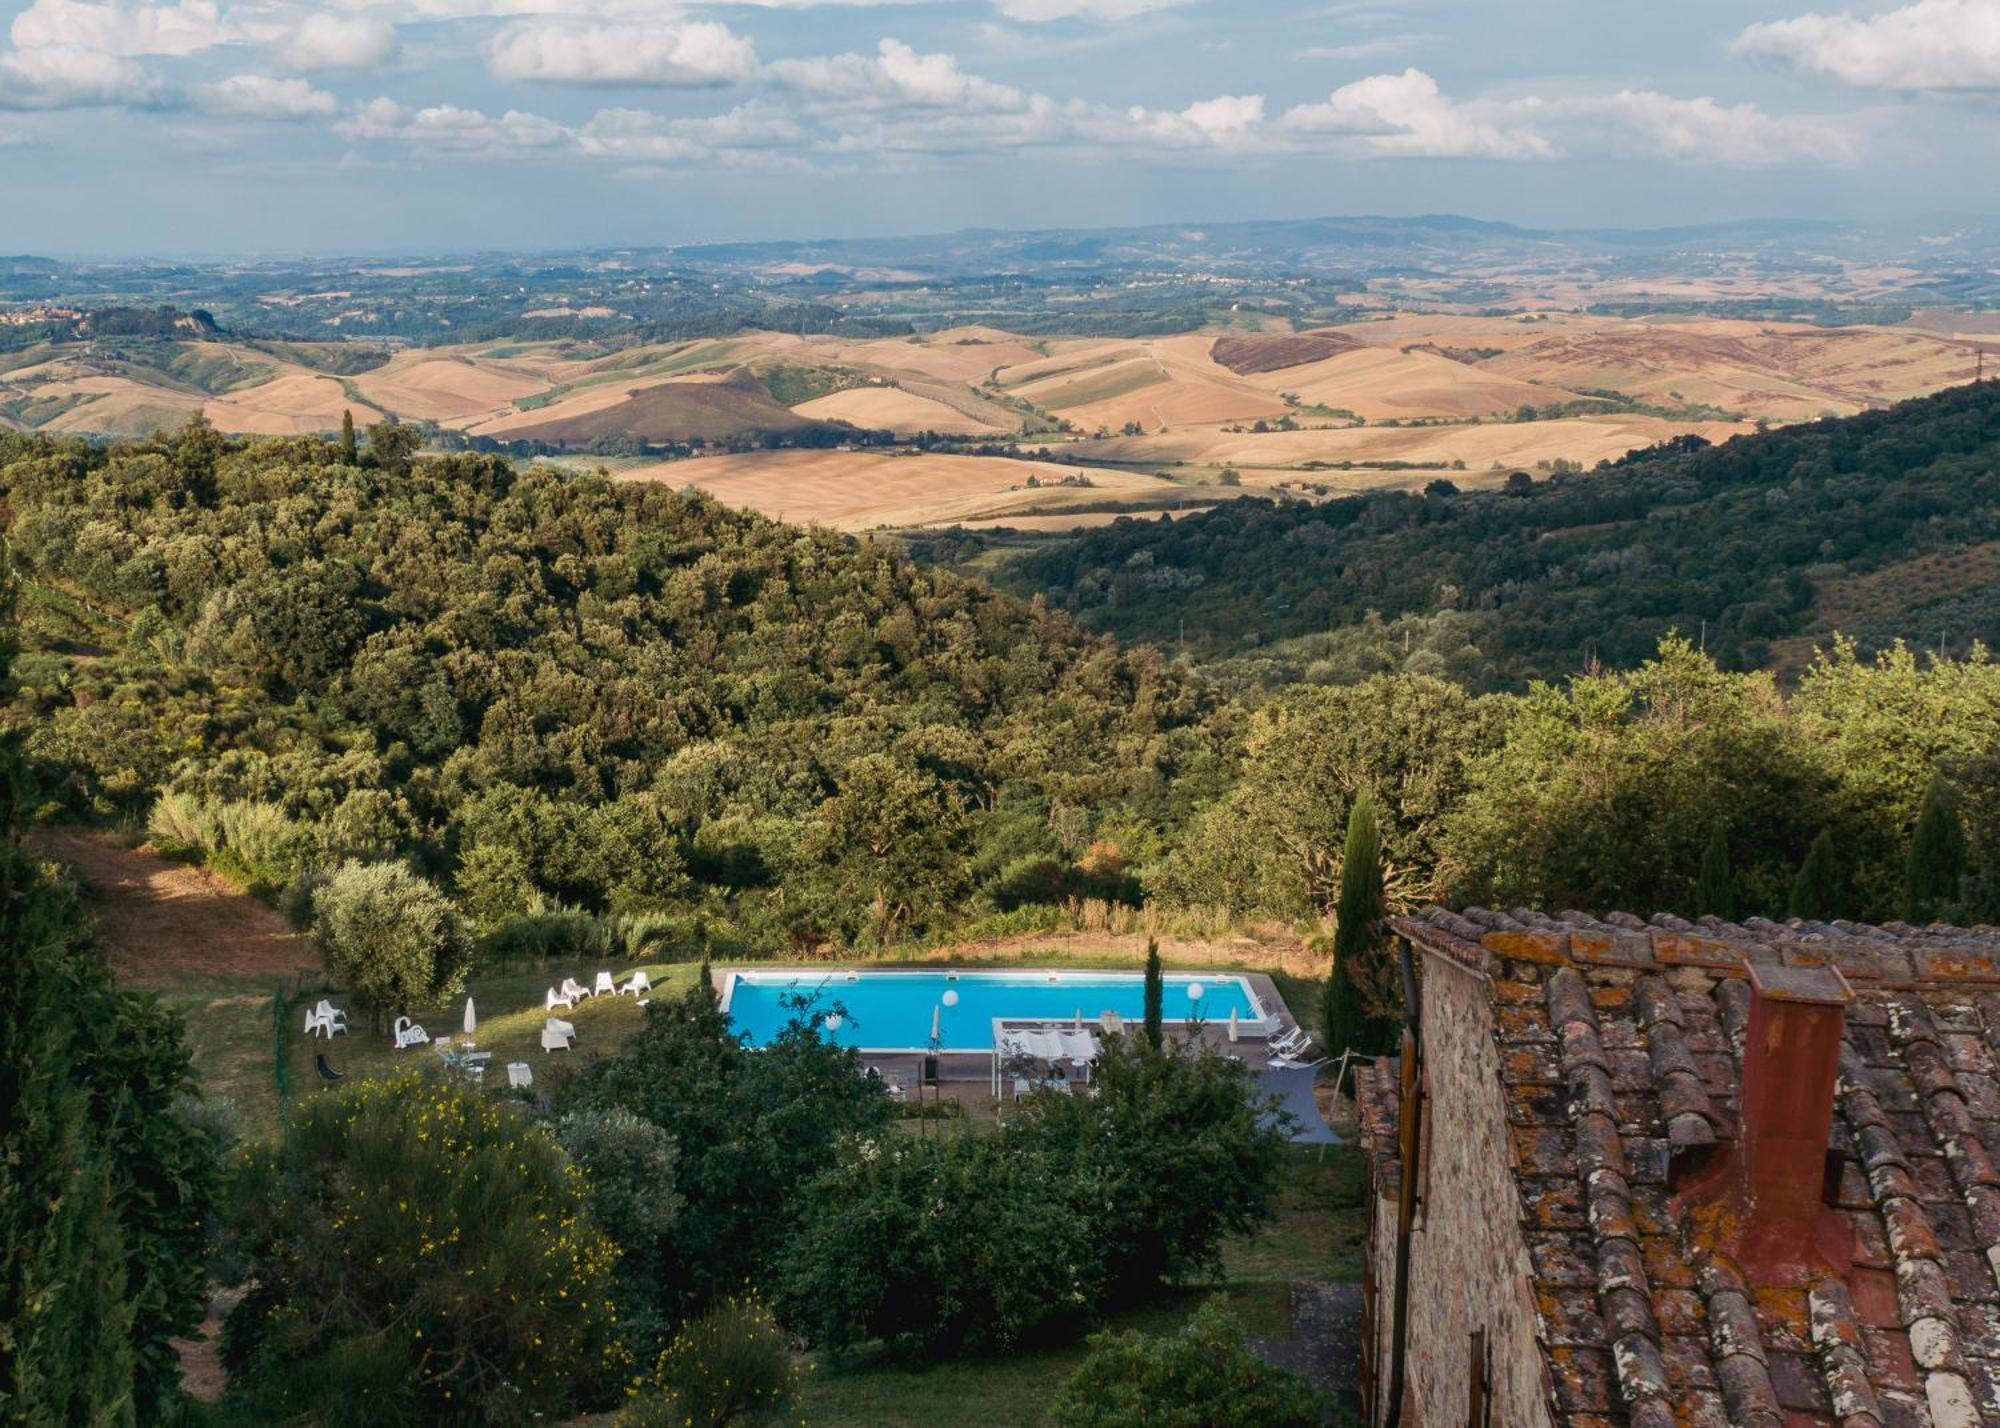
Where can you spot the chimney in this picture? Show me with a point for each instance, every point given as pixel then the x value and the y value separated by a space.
pixel 1765 1200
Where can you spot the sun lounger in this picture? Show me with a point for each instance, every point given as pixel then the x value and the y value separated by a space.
pixel 408 1033
pixel 556 1036
pixel 605 987
pixel 558 997
pixel 519 1073
pixel 637 986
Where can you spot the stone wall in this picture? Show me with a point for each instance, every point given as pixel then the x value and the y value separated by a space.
pixel 1469 1261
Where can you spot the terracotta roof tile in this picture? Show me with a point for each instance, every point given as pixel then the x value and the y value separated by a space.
pixel 1620 1042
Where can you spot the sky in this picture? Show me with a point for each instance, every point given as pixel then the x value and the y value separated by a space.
pixel 217 127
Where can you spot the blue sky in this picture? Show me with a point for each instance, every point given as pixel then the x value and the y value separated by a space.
pixel 237 126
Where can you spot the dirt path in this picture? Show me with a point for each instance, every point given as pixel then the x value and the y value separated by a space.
pixel 166 922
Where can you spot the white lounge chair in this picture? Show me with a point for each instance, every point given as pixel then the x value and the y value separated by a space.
pixel 556 1035
pixel 558 997
pixel 604 987
pixel 519 1073
pixel 1288 1042
pixel 566 1028
pixel 1112 1023
pixel 325 1019
pixel 638 986
pixel 408 1033
pixel 574 990
pixel 1281 1063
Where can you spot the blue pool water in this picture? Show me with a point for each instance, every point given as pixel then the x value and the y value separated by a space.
pixel 891 1011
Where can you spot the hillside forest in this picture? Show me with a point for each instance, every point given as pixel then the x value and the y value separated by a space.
pixel 562 700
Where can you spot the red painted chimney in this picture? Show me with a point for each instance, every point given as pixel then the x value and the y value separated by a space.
pixel 1765 1200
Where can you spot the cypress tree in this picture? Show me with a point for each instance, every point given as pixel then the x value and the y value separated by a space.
pixel 66 1354
pixel 1715 887
pixel 1937 857
pixel 1156 996
pixel 1816 891
pixel 1345 1019
pixel 349 454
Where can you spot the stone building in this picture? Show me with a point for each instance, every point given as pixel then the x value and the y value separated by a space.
pixel 1670 1173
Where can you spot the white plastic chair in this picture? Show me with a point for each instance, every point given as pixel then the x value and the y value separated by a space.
pixel 408 1033
pixel 574 989
pixel 520 1074
pixel 605 987
pixel 555 1037
pixel 558 997
pixel 325 1019
pixel 638 986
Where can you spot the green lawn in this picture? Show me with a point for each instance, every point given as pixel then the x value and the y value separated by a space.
pixel 1317 1235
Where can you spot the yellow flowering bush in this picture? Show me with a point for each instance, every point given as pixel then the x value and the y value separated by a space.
pixel 731 1368
pixel 419 1252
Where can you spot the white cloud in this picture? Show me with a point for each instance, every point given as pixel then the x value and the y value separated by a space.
pixel 1703 130
pixel 895 76
pixel 1228 121
pixel 1362 49
pixel 1930 45
pixel 446 128
pixel 1405 115
pixel 1104 11
pixel 689 55
pixel 69 77
pixel 324 41
pixel 117 29
pixel 639 135
pixel 255 96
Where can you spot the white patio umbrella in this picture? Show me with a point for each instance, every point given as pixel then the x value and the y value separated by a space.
pixel 1079 1018
pixel 471 1018
pixel 1232 1024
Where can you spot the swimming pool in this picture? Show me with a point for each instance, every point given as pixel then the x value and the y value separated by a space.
pixel 891 1011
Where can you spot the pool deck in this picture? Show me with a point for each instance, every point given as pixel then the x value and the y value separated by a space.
pixel 965 1076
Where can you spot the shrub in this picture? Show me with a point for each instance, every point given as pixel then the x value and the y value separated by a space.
pixel 389 936
pixel 731 1368
pixel 629 1166
pixel 1205 1376
pixel 938 1247
pixel 419 1253
pixel 750 1131
pixel 1172 1152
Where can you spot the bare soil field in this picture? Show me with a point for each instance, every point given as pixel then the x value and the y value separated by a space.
pixel 424 386
pixel 164 923
pixel 893 409
pixel 1483 446
pixel 865 490
pixel 292 405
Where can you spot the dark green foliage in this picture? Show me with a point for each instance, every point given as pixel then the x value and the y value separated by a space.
pixel 104 1189
pixel 1358 999
pixel 609 695
pixel 1171 1153
pixel 1272 845
pixel 730 1368
pixel 1715 885
pixel 349 452
pixel 419 1253
pixel 750 1130
pixel 1204 1376
pixel 1817 892
pixel 1155 995
pixel 1936 863
pixel 629 1168
pixel 1571 568
pixel 937 1247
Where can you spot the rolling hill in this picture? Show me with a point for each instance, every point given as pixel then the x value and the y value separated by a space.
pixel 1881 526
